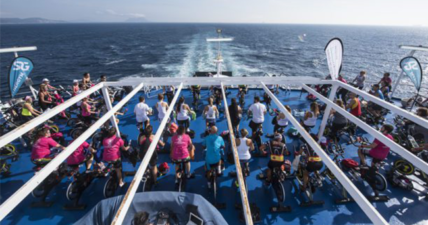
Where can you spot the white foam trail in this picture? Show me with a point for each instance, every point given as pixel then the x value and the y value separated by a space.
pixel 149 66
pixel 114 62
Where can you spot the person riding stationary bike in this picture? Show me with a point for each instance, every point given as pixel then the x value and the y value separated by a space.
pixel 196 91
pixel 112 147
pixel 145 142
pixel 215 150
pixel 41 153
pixel 210 113
pixel 376 150
pixel 310 162
pixel 277 150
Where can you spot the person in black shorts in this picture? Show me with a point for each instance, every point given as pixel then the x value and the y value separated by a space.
pixel 309 162
pixel 277 150
pixel 145 142
pixel 235 113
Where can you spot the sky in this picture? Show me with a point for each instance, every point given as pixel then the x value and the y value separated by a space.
pixel 353 12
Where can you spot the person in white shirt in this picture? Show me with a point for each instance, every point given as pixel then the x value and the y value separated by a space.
pixel 258 111
pixel 244 145
pixel 183 111
pixel 161 107
pixel 211 113
pixel 142 111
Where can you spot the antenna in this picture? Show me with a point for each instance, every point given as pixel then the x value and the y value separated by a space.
pixel 219 59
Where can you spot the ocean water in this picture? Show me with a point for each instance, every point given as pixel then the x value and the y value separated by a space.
pixel 66 51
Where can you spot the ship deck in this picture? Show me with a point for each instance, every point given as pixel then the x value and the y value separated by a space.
pixel 404 207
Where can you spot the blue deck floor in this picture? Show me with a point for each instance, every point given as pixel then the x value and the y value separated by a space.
pixel 403 208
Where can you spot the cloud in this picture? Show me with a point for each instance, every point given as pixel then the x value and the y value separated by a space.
pixel 114 13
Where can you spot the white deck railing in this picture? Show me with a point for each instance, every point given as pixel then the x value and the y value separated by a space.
pixel 127 200
pixel 30 185
pixel 361 200
pixel 239 175
pixel 20 194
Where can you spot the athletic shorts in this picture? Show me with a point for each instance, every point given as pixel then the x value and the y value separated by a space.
pixel 367 153
pixel 117 164
pixel 314 166
pixel 254 126
pixel 184 123
pixel 215 165
pixel 272 164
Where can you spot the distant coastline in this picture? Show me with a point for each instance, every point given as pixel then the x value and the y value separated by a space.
pixel 37 20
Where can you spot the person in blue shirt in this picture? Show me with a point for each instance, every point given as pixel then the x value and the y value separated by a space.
pixel 214 145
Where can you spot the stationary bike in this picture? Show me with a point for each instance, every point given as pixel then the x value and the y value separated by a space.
pixel 7 152
pixel 369 174
pixel 315 181
pixel 80 182
pixel 43 189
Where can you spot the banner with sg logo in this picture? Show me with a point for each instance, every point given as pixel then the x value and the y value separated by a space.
pixel 20 69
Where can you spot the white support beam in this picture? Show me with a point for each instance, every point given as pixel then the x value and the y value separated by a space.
pixel 373 132
pixel 242 187
pixel 28 187
pixel 414 47
pixel 384 104
pixel 18 49
pixel 129 196
pixel 361 200
pixel 24 128
pixel 327 112
pixel 109 107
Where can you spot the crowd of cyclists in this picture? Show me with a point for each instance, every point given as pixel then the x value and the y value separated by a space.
pixel 182 149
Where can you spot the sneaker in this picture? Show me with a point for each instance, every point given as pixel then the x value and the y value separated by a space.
pixel 121 184
pixel 189 175
pixel 209 185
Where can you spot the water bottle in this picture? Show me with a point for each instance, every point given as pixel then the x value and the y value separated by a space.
pixel 412 141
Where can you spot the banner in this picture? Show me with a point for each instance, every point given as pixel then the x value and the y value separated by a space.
pixel 20 68
pixel 411 66
pixel 334 52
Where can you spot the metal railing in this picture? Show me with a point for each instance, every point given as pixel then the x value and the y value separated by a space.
pixel 361 200
pixel 127 200
pixel 37 179
pixel 376 134
pixel 242 187
pixel 19 195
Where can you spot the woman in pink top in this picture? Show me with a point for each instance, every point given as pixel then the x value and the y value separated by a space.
pixel 41 152
pixel 377 150
pixel 87 113
pixel 182 150
pixel 83 153
pixel 112 146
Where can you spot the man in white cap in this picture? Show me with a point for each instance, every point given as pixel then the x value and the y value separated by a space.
pixel 50 87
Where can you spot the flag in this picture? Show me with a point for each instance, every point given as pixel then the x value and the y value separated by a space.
pixel 411 66
pixel 334 52
pixel 19 70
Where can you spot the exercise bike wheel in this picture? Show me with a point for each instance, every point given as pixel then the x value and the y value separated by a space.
pixel 71 122
pixel 55 128
pixel 380 182
pixel 72 191
pixel 39 191
pixel 404 167
pixel 110 188
pixel 279 191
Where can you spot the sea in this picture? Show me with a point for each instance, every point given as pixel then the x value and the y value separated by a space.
pixel 120 50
